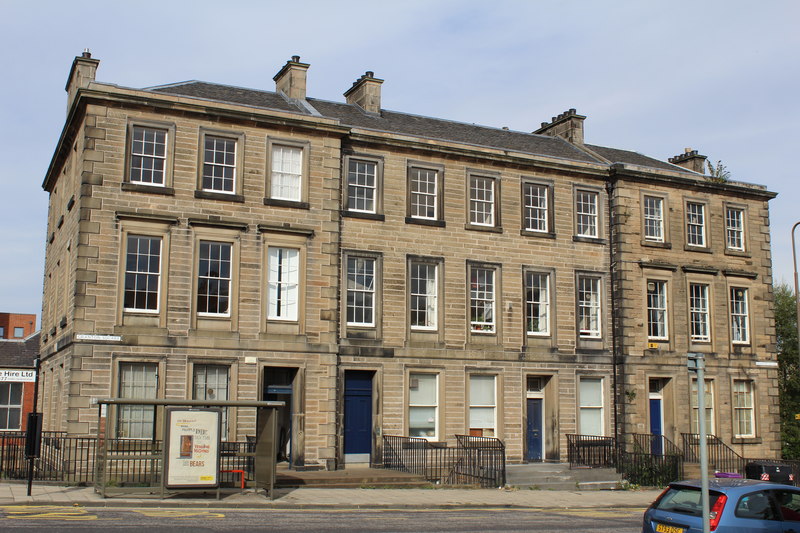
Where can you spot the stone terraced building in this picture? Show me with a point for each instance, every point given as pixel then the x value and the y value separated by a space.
pixel 392 274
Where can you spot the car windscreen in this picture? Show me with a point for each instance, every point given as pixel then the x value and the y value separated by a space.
pixel 685 500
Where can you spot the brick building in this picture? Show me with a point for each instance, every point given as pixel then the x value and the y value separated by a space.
pixel 19 348
pixel 391 274
pixel 16 325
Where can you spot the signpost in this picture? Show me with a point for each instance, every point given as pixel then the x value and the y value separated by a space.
pixel 697 364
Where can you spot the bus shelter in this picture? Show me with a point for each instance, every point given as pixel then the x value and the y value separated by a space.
pixel 185 451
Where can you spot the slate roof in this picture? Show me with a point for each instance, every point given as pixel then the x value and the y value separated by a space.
pixel 19 353
pixel 414 125
pixel 633 158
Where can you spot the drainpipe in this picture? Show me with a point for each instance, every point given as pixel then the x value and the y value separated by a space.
pixel 339 403
pixel 617 376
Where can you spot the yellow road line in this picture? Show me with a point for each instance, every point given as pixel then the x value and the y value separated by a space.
pixel 176 513
pixel 47 512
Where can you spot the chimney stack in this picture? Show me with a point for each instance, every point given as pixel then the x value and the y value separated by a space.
pixel 366 93
pixel 690 160
pixel 291 79
pixel 568 125
pixel 83 72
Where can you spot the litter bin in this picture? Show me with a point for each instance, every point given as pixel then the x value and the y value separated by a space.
pixel 727 475
pixel 770 471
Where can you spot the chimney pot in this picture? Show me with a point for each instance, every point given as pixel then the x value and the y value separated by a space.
pixel 370 74
pixel 86 53
pixel 295 59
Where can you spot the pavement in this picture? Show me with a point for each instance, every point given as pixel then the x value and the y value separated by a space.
pixel 12 494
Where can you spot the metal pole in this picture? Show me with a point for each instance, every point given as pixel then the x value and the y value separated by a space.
pixel 796 296
pixel 701 422
pixel 37 365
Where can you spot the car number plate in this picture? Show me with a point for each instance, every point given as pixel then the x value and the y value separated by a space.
pixel 663 528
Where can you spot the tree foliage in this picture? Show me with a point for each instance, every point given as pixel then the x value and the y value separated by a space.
pixel 789 369
pixel 718 172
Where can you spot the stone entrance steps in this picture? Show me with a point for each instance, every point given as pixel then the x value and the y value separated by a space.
pixel 558 476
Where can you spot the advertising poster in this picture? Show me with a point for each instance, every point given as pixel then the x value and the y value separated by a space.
pixel 192 447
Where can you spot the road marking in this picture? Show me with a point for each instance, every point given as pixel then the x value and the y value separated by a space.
pixel 47 512
pixel 176 513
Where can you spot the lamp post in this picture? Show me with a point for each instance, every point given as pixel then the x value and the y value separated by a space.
pixel 796 296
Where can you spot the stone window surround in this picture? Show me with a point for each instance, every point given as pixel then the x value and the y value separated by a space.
pixel 704 281
pixel 377 160
pixel 167 187
pixel 155 227
pixel 233 380
pixel 357 331
pixel 419 333
pixel 284 240
pixel 551 301
pixel 211 233
pixel 495 335
pixel 496 225
pixel 209 194
pixel 706 246
pixel 668 311
pixel 549 216
pixel 439 169
pixel 438 405
pixel 305 172
pixel 747 315
pixel 159 361
pixel 665 241
pixel 745 252
pixel 599 216
pixel 753 387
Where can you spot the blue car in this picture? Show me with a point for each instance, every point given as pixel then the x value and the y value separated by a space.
pixel 736 506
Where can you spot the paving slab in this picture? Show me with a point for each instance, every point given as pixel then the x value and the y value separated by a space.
pixel 310 498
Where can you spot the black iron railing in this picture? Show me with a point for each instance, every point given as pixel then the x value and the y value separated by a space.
pixel 720 456
pixel 650 461
pixel 474 461
pixel 653 444
pixel 649 470
pixel 591 450
pixel 130 462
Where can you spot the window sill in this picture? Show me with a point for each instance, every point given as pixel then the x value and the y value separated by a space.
pixel 538 234
pixel 737 253
pixel 698 249
pixel 746 440
pixel 426 222
pixel 274 202
pixel 366 216
pixel 487 229
pixel 211 195
pixel 590 240
pixel 656 244
pixel 149 189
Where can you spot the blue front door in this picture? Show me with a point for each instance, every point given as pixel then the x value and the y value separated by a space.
pixel 534 429
pixel 656 429
pixel 357 412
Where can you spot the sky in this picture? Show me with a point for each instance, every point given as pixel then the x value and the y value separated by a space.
pixel 719 76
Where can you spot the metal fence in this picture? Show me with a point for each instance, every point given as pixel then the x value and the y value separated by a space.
pixel 131 462
pixel 474 460
pixel 592 451
pixel 640 466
